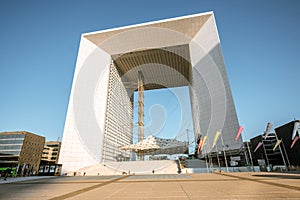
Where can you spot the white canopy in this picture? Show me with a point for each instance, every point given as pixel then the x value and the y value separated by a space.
pixel 156 145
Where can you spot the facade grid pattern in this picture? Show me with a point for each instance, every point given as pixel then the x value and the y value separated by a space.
pixel 118 122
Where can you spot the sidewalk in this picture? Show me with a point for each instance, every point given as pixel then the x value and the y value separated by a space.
pixel 25 178
pixel 240 185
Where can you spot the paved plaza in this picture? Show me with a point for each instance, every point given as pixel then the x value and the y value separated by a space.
pixel 184 186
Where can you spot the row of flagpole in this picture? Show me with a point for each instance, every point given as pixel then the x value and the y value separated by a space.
pixel 218 134
pixel 295 137
pixel 202 143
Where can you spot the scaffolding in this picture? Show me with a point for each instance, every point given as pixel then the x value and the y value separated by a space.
pixel 141 110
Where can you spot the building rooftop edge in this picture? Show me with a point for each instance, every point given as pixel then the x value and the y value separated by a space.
pixel 147 23
pixel 53 141
pixel 20 132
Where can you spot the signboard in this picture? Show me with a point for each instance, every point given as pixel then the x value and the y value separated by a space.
pixel 235 158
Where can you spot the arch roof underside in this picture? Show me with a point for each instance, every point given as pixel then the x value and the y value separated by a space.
pixel 161 68
pixel 160 50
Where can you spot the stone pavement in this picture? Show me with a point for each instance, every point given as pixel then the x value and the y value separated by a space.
pixel 186 186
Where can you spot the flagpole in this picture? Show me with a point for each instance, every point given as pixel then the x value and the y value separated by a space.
pixel 209 154
pixel 286 168
pixel 218 158
pixel 249 152
pixel 224 153
pixel 286 155
pixel 205 151
pixel 263 145
pixel 214 145
pixel 205 154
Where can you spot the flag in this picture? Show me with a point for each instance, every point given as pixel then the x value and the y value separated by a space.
pixel 238 133
pixel 259 145
pixel 269 126
pixel 295 140
pixel 296 125
pixel 277 144
pixel 216 139
pixel 203 143
pixel 199 145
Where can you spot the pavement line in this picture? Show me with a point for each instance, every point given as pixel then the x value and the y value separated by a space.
pixel 261 181
pixel 77 192
pixel 185 192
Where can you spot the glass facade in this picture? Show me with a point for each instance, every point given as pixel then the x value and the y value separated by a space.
pixel 15 141
pixel 11 144
pixel 11 136
pixel 19 149
pixel 14 147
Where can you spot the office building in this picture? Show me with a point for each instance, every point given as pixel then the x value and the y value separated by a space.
pixel 21 151
pixel 182 51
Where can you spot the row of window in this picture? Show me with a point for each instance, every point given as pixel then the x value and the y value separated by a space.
pixel 10 141
pixel 12 136
pixel 53 154
pixel 46 158
pixel 53 149
pixel 15 147
pixel 11 153
pixel 52 145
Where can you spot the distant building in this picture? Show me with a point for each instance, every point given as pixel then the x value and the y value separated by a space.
pixel 284 154
pixel 49 163
pixel 285 133
pixel 264 155
pixel 51 152
pixel 21 151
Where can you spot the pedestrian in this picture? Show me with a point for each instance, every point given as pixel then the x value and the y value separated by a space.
pixel 84 174
pixel 153 171
pixel 6 173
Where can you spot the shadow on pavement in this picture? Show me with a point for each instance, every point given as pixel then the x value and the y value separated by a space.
pixel 283 176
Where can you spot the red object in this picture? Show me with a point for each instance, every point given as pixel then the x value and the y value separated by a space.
pixel 259 145
pixel 238 133
pixel 296 138
pixel 199 146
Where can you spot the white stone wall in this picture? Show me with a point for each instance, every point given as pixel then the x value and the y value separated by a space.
pixel 82 141
pixel 211 99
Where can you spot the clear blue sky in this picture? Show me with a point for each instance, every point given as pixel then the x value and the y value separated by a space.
pixel 39 43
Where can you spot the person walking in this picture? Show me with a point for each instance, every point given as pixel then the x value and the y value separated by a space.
pixel 6 173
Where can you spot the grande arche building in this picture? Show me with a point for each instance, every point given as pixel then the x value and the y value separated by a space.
pixel 182 51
